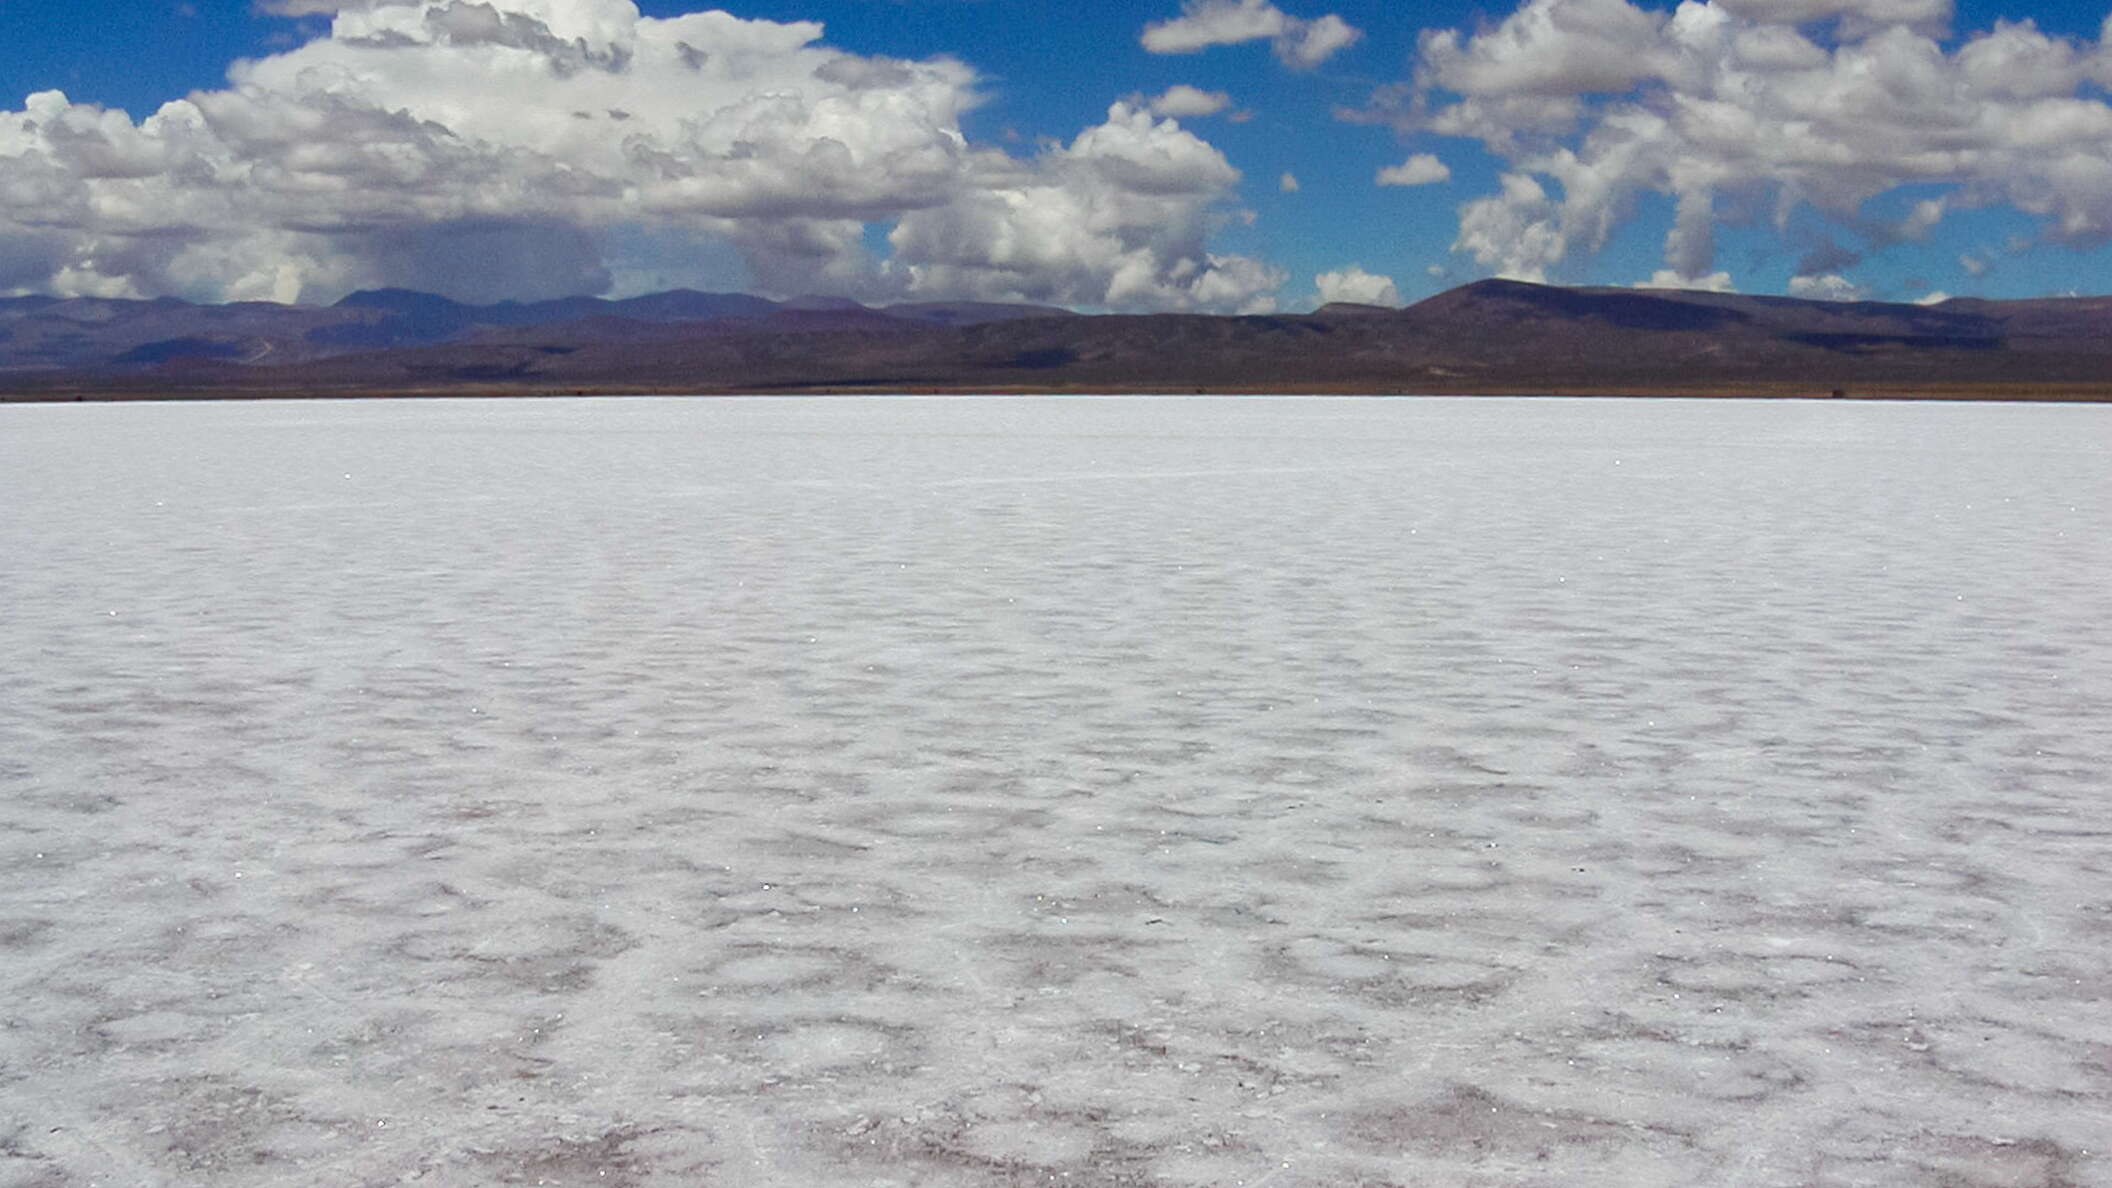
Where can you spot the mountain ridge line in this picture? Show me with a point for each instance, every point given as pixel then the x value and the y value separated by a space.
pixel 1491 336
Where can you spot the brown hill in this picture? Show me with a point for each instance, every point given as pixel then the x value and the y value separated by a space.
pixel 1493 336
pixel 100 335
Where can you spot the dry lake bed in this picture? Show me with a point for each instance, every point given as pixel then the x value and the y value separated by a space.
pixel 961 792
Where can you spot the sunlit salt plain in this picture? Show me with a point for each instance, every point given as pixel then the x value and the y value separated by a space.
pixel 1087 791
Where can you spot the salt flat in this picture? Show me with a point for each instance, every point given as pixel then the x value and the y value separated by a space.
pixel 1088 791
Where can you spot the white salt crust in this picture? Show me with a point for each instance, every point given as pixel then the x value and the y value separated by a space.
pixel 979 792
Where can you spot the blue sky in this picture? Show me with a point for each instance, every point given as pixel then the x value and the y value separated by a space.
pixel 1572 132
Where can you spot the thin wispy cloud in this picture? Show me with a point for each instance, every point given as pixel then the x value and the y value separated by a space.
pixel 1298 43
pixel 1182 100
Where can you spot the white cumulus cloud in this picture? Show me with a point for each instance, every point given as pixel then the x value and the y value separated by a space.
pixel 1518 231
pixel 1298 43
pixel 1420 169
pixel 1931 17
pixel 1184 100
pixel 1830 286
pixel 1308 43
pixel 1117 218
pixel 1354 285
pixel 521 148
pixel 1666 278
pixel 1748 111
pixel 299 8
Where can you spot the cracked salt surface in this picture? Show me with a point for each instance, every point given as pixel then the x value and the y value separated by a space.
pixel 1025 791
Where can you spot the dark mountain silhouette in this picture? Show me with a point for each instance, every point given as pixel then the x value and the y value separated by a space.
pixel 92 334
pixel 1492 336
pixel 688 305
pixel 971 313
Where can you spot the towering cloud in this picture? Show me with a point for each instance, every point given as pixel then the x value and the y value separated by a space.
pixel 1755 109
pixel 1116 217
pixel 538 147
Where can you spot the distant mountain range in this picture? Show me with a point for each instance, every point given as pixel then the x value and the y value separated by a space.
pixel 89 333
pixel 1492 336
